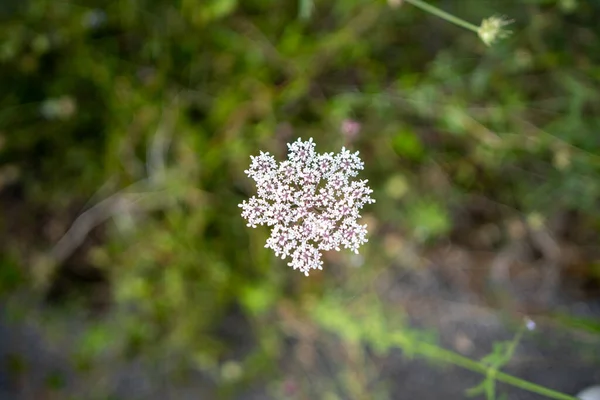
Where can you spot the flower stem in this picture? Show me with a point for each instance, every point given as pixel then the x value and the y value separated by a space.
pixel 443 14
pixel 434 352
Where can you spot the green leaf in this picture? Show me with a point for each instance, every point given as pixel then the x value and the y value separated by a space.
pixel 429 220
pixel 406 144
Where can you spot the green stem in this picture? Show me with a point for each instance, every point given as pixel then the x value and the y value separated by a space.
pixel 443 14
pixel 434 352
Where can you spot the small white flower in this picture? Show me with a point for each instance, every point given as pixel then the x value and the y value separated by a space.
pixel 310 203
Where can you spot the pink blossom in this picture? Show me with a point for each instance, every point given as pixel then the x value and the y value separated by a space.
pixel 350 128
pixel 309 201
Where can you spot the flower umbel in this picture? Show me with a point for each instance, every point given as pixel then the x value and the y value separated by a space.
pixel 310 201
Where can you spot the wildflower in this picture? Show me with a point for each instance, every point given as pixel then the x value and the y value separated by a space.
pixel 310 202
pixel 529 324
pixel 492 29
pixel 350 128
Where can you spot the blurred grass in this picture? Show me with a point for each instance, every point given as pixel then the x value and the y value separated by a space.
pixel 173 98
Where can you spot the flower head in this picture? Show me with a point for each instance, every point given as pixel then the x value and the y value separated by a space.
pixel 492 29
pixel 350 128
pixel 310 201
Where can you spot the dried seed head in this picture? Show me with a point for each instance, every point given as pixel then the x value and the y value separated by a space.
pixel 492 29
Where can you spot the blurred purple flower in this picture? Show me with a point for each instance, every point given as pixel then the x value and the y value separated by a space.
pixel 290 387
pixel 530 324
pixel 350 128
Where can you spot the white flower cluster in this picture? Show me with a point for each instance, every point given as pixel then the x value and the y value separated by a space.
pixel 309 201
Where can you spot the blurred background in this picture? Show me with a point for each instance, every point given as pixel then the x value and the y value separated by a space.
pixel 126 271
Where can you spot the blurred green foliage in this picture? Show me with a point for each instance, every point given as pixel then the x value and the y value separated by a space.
pixel 161 103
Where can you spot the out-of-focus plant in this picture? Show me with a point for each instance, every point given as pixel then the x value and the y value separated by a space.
pixel 438 120
pixel 490 31
pixel 369 326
